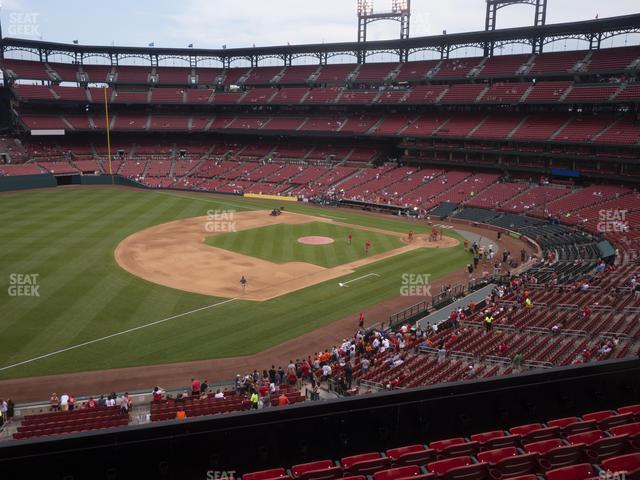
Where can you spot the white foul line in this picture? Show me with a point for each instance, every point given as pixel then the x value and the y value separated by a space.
pixel 344 284
pixel 73 347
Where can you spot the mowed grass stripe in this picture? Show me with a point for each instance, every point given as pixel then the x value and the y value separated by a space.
pixel 262 243
pixel 79 266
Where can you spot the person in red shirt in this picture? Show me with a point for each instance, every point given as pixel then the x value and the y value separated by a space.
pixel 157 394
pixel 367 246
pixel 410 235
pixel 350 237
pixel 92 403
pixel 283 400
pixel 195 387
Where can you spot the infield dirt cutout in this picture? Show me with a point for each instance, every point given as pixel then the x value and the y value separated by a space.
pixel 174 255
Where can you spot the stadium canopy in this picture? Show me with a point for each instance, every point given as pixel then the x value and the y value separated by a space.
pixel 592 31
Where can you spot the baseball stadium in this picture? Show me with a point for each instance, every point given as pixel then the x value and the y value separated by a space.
pixel 380 259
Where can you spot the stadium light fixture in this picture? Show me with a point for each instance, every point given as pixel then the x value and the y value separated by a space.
pixel 400 6
pixel 365 7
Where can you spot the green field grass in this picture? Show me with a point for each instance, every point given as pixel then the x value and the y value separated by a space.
pixel 67 237
pixel 278 243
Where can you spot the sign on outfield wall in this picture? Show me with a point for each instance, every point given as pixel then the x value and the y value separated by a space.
pixel 271 197
pixel 46 132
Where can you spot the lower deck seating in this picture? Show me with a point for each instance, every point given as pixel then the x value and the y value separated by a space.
pixel 515 454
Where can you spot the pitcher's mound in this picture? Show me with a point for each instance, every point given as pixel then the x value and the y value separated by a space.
pixel 315 240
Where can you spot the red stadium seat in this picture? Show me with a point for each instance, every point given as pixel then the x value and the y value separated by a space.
pixel 272 474
pixel 397 473
pixel 586 437
pixel 320 470
pixel 598 416
pixel 365 463
pixel 525 429
pixel 582 471
pixel 629 464
pixel 412 455
pixel 634 409
pixel 555 454
pixel 631 429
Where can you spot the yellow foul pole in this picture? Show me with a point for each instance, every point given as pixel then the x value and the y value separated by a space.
pixel 106 114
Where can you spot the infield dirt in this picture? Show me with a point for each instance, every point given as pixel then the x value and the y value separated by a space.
pixel 174 255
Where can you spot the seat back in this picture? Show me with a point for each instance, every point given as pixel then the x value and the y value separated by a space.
pixel 541 434
pixel 396 453
pixel 631 429
pixel 350 460
pixel 623 463
pixel 635 409
pixel 395 473
pixel 298 470
pixel 608 447
pixel 579 427
pixel 562 422
pixel 442 444
pixel 616 420
pixel 585 437
pixel 598 416
pixel 265 474
pixel 441 467
pixel 561 457
pixel 327 473
pixel 524 429
pixel 461 449
pixel 420 458
pixel 582 471
pixel 477 471
pixel 369 467
pixel 517 465
pixel 494 456
pixel 502 442
pixel 486 436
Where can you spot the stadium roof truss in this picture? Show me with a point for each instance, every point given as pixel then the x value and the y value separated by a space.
pixel 592 31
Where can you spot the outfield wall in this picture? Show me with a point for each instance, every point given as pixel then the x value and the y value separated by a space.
pixel 332 429
pixel 24 182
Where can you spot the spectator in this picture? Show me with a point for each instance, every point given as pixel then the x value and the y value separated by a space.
pixel 195 387
pixel 283 400
pixel 219 394
pixel 517 361
pixel 64 402
pixel 181 414
pixel 54 402
pixel 157 394
pixel 254 400
pixel 125 403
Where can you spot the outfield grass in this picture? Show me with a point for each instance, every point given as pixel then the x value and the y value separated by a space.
pixel 279 243
pixel 67 237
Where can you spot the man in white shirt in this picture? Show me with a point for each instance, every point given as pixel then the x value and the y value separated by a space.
pixel 326 371
pixel 365 365
pixel 64 402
